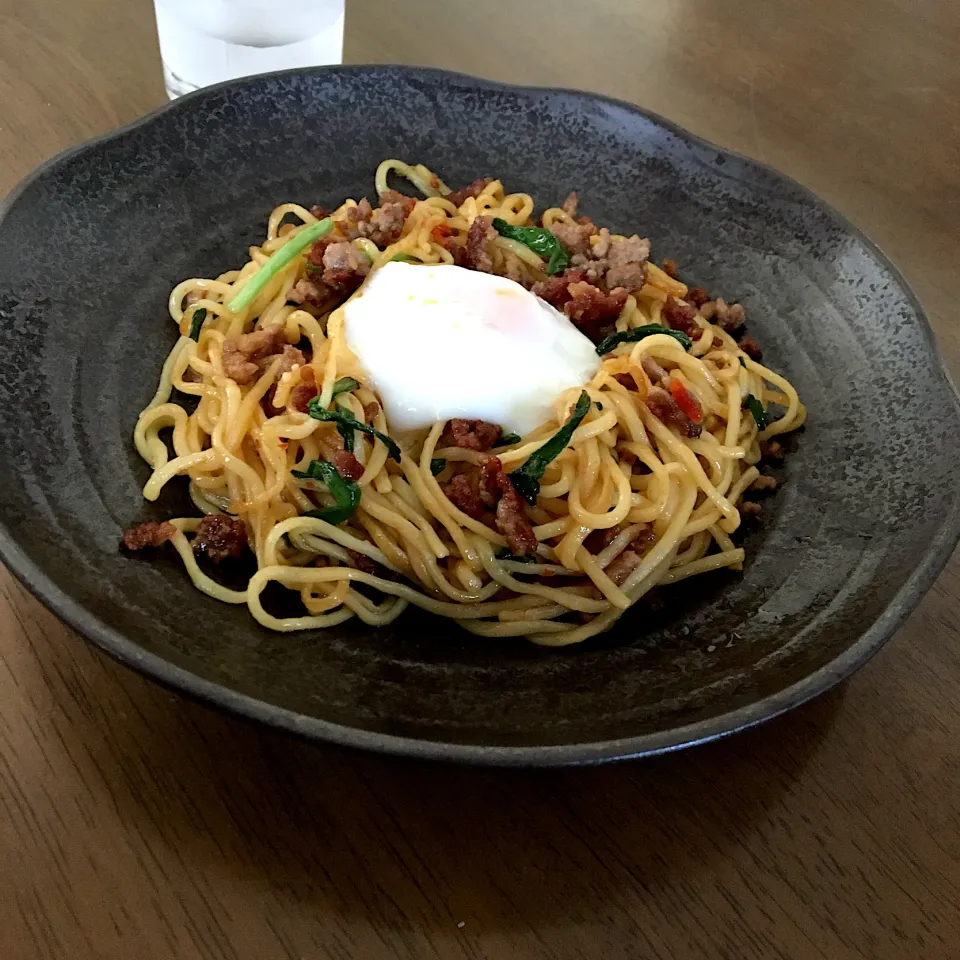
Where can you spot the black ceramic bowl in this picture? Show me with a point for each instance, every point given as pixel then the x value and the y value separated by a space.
pixel 91 244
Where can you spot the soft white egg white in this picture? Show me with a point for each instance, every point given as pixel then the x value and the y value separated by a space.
pixel 440 341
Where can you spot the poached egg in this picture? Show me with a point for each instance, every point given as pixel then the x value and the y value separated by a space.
pixel 440 341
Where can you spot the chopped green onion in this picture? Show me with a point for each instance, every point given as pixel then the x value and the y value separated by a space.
pixel 343 418
pixel 540 240
pixel 437 465
pixel 526 479
pixel 199 315
pixel 756 408
pixel 277 261
pixel 743 363
pixel 640 333
pixel 405 258
pixel 507 438
pixel 346 493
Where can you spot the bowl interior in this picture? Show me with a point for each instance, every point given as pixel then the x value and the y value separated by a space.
pixel 90 248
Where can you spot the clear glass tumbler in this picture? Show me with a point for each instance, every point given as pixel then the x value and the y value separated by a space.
pixel 206 41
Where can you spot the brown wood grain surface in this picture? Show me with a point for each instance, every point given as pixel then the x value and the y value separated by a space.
pixel 135 825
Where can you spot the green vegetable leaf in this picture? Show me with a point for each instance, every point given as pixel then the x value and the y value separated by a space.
pixel 405 258
pixel 540 240
pixel 756 408
pixel 507 438
pixel 346 493
pixel 349 435
pixel 277 261
pixel 526 479
pixel 342 418
pixel 199 315
pixel 437 465
pixel 344 385
pixel 639 333
pixel 743 362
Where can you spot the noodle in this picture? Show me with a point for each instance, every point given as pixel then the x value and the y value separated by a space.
pixel 663 505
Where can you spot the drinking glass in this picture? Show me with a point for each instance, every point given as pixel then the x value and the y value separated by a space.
pixel 206 41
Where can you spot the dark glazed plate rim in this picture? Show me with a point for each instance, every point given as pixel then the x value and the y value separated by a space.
pixel 155 667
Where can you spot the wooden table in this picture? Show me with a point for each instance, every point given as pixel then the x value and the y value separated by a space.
pixel 137 826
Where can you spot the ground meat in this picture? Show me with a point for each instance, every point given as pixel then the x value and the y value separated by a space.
pixel 633 250
pixel 669 267
pixel 751 348
pixel 630 276
pixel 512 522
pixel 386 224
pixel 301 395
pixel 512 519
pixel 662 405
pixel 612 265
pixel 771 450
pixel 697 296
pixel 241 354
pixel 316 250
pixel 458 197
pixel 331 446
pixel 319 212
pixel 148 535
pixel 574 237
pixel 680 316
pixel 599 540
pixel 464 496
pixel 309 290
pixel 592 310
pixel 472 434
pixel 490 470
pixel 620 568
pixel 344 266
pixel 556 290
pixel 290 358
pixel 362 562
pixel 601 248
pixel 749 508
pixel 305 391
pixel 589 268
pixel 728 317
pixel 476 254
pixel 389 197
pixel 356 220
pixel 220 537
pixel 653 370
pixel 763 482
pixel 571 203
pixel 382 226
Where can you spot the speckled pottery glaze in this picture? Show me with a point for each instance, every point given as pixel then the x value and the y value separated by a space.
pixel 93 241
